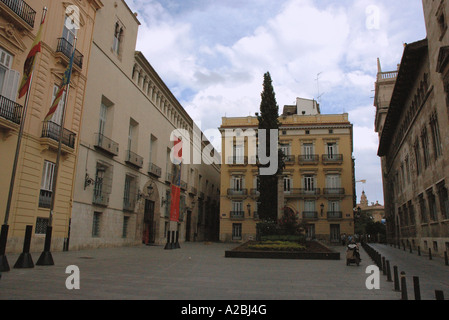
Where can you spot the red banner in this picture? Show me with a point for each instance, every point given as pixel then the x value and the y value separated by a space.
pixel 175 201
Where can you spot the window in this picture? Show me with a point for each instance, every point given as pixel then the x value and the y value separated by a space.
pixel 237 207
pixel 46 191
pixel 285 148
pixel 435 246
pixel 132 135
pixel 9 79
pixel 411 212
pixel 435 135
pixel 236 231
pixel 118 38
pixel 130 194
pixel 237 183
pixel 103 184
pixel 333 182
pixel 96 224
pixel 288 184
pixel 69 34
pixel 310 206
pixel 432 205
pixel 417 157
pixel 125 227
pixel 57 117
pixel 309 183
pixel 407 166
pixel 309 151
pixel 334 206
pixel 103 118
pixel 422 207
pixel 331 150
pixel 41 226
pixel 444 201
pixel 425 145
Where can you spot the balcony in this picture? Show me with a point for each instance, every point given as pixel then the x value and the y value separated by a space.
pixel 310 159
pixel 169 177
pixel 51 130
pixel 183 185
pixel 237 215
pixel 45 198
pixel 237 193
pixel 154 170
pixel 10 113
pixel 301 193
pixel 310 215
pixel 19 8
pixel 289 160
pixel 237 161
pixel 334 192
pixel 66 48
pixel 334 215
pixel 332 158
pixel 104 143
pixel 254 193
pixel 134 159
pixel 129 205
pixel 101 199
pixel 193 191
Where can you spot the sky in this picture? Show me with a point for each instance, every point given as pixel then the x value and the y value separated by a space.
pixel 212 54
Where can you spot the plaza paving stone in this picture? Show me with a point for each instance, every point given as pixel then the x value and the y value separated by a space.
pixel 196 272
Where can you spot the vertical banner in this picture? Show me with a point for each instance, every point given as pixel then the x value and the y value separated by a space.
pixel 176 183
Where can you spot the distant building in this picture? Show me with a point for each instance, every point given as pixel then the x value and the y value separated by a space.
pixel 317 184
pixel 374 210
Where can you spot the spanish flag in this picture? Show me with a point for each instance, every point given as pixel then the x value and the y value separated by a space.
pixel 31 60
pixel 176 183
pixel 62 88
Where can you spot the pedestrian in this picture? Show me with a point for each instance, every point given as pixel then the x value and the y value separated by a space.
pixel 343 239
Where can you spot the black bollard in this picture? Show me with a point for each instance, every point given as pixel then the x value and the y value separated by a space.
pixel 419 251
pixel 4 265
pixel 445 258
pixel 416 288
pixel 430 254
pixel 384 267
pixel 46 259
pixel 177 246
pixel 439 295
pixel 167 245
pixel 410 246
pixel 396 279
pixel 388 272
pixel 404 295
pixel 172 244
pixel 25 260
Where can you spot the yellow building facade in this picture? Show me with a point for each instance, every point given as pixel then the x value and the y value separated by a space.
pixel 317 183
pixel 19 23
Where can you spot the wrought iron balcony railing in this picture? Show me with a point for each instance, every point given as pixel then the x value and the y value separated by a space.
pixel 237 192
pixel 310 215
pixel 332 158
pixel 334 191
pixel 237 215
pixel 154 170
pixel 334 215
pixel 308 159
pixel 22 9
pixel 10 110
pixel 134 159
pixel 52 130
pixel 106 144
pixel 66 48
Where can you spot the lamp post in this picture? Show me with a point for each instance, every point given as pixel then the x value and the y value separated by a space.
pixel 249 209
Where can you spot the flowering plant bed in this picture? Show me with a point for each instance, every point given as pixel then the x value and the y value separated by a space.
pixel 310 250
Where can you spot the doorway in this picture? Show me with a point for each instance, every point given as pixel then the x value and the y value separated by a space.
pixel 335 233
pixel 149 234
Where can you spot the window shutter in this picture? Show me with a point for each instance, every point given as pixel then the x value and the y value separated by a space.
pixel 11 85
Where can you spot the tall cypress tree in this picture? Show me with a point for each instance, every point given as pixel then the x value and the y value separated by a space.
pixel 269 120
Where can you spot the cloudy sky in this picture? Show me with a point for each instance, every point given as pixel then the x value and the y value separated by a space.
pixel 212 54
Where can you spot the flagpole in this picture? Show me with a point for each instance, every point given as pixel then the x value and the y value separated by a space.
pixel 46 258
pixel 4 266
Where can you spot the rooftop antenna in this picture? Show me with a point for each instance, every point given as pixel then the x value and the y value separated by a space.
pixel 318 85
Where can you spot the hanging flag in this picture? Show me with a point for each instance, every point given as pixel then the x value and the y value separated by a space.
pixel 62 88
pixel 31 60
pixel 176 184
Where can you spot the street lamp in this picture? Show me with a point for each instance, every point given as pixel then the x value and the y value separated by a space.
pixel 249 209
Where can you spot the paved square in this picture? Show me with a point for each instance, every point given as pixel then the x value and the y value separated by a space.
pixel 197 271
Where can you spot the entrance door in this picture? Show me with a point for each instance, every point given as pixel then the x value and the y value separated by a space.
pixel 188 224
pixel 335 233
pixel 149 235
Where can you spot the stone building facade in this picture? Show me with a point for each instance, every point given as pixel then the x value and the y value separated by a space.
pixel 32 193
pixel 124 170
pixel 317 184
pixel 413 140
